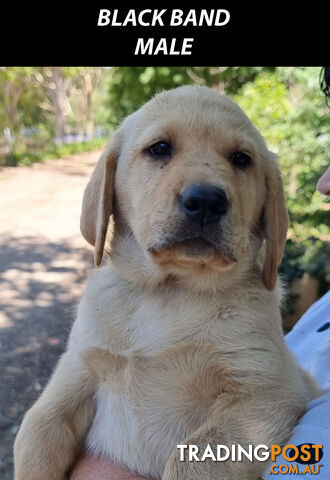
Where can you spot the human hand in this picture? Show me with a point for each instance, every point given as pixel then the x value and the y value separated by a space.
pixel 93 468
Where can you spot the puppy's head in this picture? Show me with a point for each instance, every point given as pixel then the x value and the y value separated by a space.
pixel 193 189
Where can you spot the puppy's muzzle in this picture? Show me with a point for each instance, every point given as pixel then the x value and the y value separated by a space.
pixel 203 203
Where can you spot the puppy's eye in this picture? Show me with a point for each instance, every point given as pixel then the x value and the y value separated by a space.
pixel 240 159
pixel 160 149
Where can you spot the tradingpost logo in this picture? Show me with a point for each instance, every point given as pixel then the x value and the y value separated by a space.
pixel 307 455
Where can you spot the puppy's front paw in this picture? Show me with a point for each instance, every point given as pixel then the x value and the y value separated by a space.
pixel 38 450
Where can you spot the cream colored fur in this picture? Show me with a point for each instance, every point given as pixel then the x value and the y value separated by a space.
pixel 168 347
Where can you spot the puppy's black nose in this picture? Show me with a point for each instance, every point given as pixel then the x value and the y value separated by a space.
pixel 204 203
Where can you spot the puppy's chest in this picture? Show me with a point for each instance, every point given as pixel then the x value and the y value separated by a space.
pixel 155 397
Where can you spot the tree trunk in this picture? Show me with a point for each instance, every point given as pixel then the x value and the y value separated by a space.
pixel 12 96
pixel 60 103
pixel 13 93
pixel 89 129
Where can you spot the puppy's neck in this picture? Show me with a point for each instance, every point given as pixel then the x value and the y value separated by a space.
pixel 134 265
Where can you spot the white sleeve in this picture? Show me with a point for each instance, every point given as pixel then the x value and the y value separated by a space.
pixel 310 341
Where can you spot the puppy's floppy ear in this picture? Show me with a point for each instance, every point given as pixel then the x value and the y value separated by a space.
pixel 275 224
pixel 98 198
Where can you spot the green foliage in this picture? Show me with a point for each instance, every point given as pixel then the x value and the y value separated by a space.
pixel 19 97
pixel 290 111
pixel 56 151
pixel 227 79
pixel 28 98
pixel 130 87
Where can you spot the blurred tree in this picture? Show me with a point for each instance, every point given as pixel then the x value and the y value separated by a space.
pixel 72 90
pixel 56 84
pixel 289 109
pixel 14 81
pixel 91 78
pixel 58 90
pixel 20 98
pixel 54 101
pixel 226 80
pixel 87 83
pixel 130 87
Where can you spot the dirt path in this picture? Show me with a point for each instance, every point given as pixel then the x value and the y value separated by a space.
pixel 44 262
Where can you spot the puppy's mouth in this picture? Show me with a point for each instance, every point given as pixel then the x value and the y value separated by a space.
pixel 193 252
pixel 195 247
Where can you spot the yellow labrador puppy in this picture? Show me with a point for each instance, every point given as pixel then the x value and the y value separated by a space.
pixel 178 339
